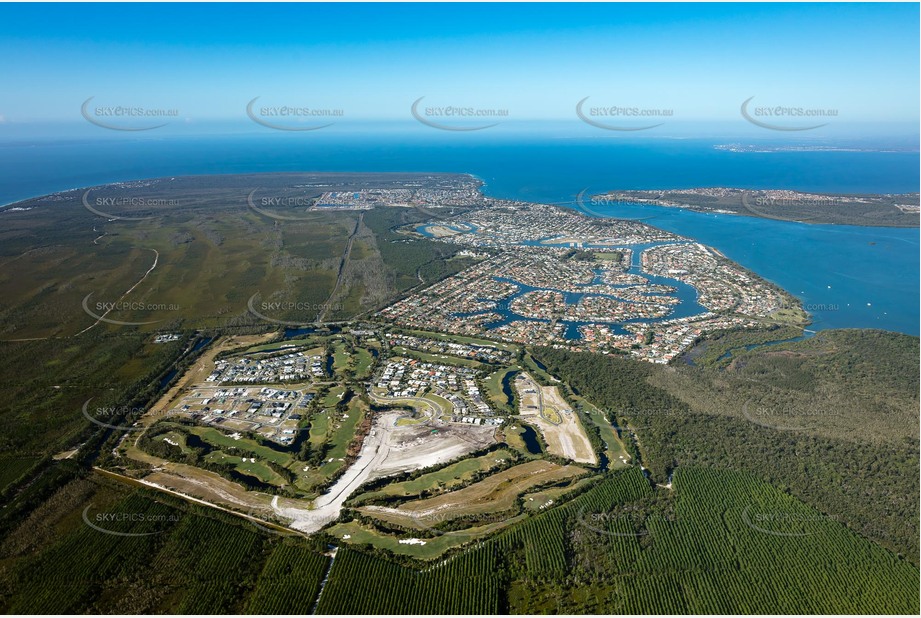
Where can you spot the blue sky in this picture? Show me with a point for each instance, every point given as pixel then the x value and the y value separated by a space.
pixel 536 61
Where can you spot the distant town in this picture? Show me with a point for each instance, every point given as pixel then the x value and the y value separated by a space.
pixel 557 277
pixel 893 210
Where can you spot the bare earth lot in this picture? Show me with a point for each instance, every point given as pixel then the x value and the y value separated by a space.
pixel 496 493
pixel 544 407
pixel 386 450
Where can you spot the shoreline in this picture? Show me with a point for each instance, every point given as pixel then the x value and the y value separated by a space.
pixel 483 185
pixel 806 208
pixel 689 231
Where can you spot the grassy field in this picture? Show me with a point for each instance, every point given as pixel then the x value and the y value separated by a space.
pixel 617 454
pixel 551 415
pixel 220 439
pixel 433 546
pixel 513 437
pixel 493 385
pixel 335 433
pixel 445 479
pixel 443 404
pixel 511 347
pixel 363 361
pixel 440 359
pixel 174 438
pixel 242 464
pixel 495 494
pixel 543 499
pixel 341 357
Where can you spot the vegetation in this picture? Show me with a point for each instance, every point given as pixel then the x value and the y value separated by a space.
pixel 718 347
pixel 690 416
pixel 411 260
pixel 362 584
pixel 841 209
pixel 289 582
pixel 432 482
pixel 779 479
pixel 184 558
pixel 720 541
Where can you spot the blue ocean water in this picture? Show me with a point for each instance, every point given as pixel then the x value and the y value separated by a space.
pixel 856 277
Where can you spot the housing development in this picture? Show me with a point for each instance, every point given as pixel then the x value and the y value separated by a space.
pixel 563 279
pixel 486 380
pixel 445 372
pixel 460 309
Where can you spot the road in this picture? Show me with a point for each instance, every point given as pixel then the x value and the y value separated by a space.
pixel 131 289
pixel 374 451
pixel 342 264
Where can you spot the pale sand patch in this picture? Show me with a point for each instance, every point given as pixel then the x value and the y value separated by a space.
pixel 387 449
pixel 565 439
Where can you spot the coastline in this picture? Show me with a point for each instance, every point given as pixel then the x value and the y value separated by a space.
pixel 891 210
pixel 803 258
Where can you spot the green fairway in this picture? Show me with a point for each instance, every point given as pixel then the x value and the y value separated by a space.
pixel 450 477
pixel 219 439
pixel 443 404
pixel 614 446
pixel 242 464
pixel 175 438
pixel 432 546
pixel 341 357
pixel 363 361
pixel 495 391
pixel 439 359
pixel 332 432
pixel 319 427
pixel 511 347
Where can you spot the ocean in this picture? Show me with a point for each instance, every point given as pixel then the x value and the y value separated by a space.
pixel 849 277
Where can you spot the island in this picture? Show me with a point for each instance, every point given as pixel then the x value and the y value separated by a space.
pixel 883 210
pixel 328 381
